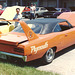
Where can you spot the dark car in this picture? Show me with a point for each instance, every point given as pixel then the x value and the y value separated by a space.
pixel 72 9
pixel 54 12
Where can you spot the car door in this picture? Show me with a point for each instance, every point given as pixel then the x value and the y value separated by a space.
pixel 67 35
pixel 42 10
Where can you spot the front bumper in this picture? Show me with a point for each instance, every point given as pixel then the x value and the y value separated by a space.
pixel 14 55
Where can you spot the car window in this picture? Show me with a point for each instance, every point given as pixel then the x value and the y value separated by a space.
pixel 18 29
pixel 43 9
pixel 35 27
pixel 37 9
pixel 58 9
pixel 57 28
pixel 65 26
pixel 63 10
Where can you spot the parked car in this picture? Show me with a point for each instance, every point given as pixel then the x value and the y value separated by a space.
pixel 8 14
pixel 54 12
pixel 26 9
pixel 38 12
pixel 39 38
pixel 1 11
pixel 6 26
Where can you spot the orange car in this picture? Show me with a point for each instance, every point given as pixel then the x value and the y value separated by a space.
pixel 39 38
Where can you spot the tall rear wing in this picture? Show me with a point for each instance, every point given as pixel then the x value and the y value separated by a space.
pixel 28 31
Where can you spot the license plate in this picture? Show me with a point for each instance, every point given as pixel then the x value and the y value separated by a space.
pixel 3 56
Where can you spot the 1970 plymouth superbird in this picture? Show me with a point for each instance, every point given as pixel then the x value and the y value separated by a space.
pixel 39 38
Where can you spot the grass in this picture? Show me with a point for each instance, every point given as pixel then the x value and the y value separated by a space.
pixel 7 68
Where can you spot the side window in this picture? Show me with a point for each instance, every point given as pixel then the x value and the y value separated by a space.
pixel 57 28
pixel 43 9
pixel 65 26
pixel 63 10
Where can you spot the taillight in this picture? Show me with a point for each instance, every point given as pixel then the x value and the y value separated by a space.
pixel 20 50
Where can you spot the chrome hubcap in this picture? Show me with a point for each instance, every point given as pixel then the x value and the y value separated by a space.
pixel 50 54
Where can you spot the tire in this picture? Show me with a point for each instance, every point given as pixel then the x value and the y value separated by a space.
pixel 36 16
pixel 49 56
pixel 45 17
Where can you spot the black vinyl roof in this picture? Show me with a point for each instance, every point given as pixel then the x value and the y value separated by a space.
pixel 48 23
pixel 46 20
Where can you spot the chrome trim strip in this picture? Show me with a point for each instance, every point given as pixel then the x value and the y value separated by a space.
pixel 14 55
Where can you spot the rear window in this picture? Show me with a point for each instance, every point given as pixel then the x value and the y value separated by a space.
pixel 35 27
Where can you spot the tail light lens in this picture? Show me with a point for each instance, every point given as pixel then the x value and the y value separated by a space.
pixel 20 50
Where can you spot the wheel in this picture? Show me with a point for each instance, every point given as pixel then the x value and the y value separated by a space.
pixel 36 16
pixel 49 56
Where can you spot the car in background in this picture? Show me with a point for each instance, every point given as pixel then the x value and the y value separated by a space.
pixel 26 9
pixel 38 12
pixel 2 10
pixel 8 14
pixel 54 12
pixel 6 26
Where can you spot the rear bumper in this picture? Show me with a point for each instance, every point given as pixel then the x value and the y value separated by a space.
pixel 14 55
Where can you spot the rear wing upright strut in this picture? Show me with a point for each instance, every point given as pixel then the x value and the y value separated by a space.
pixel 28 31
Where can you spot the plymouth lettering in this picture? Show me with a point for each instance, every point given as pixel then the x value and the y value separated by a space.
pixel 35 49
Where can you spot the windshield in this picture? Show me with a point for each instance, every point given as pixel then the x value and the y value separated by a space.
pixel 18 29
pixel 58 9
pixel 37 9
pixel 35 27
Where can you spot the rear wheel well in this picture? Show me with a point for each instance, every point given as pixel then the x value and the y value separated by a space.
pixel 49 55
pixel 54 48
pixel 36 14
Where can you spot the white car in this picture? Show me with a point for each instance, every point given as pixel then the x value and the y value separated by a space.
pixel 39 12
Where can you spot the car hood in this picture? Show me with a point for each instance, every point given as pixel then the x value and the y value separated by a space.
pixel 13 38
pixel 50 9
pixel 10 12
